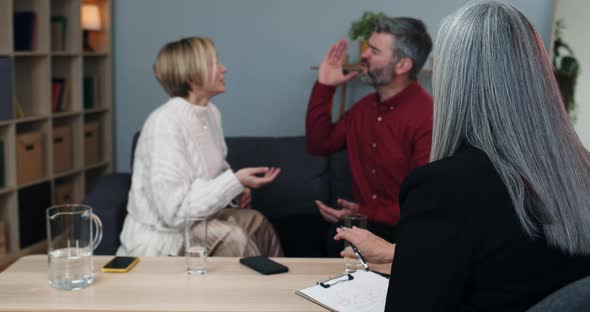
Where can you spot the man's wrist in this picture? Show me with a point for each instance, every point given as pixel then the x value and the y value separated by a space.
pixel 324 88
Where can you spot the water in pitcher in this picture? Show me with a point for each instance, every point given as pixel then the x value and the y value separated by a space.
pixel 196 260
pixel 71 268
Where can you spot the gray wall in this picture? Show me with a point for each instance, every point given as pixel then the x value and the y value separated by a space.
pixel 268 47
pixel 574 15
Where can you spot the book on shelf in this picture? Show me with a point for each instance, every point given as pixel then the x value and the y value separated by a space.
pixel 25 30
pixel 58 33
pixel 64 101
pixel 58 86
pixel 6 110
pixel 89 91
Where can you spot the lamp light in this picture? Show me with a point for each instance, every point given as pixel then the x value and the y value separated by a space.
pixel 90 22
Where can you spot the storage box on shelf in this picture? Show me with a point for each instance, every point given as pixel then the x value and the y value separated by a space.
pixel 91 143
pixel 64 193
pixel 62 149
pixel 29 151
pixel 69 189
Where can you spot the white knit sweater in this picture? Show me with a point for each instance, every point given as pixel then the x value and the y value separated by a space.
pixel 179 169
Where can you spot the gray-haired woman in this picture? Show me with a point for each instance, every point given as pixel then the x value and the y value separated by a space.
pixel 501 216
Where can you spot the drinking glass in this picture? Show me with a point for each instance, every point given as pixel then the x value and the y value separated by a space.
pixel 195 244
pixel 360 221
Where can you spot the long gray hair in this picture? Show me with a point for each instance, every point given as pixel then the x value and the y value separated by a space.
pixel 494 89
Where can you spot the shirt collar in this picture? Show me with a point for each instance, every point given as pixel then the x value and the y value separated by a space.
pixel 402 96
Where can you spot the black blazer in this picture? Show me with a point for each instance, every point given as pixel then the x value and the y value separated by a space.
pixel 460 246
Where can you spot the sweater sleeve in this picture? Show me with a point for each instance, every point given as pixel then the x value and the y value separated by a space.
pixel 175 192
pixel 322 136
pixel 432 257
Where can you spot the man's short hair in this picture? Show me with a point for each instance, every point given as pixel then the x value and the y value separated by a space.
pixel 411 40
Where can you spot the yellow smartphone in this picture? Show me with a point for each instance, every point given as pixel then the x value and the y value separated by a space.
pixel 120 264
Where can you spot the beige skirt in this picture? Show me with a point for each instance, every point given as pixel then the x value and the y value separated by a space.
pixel 234 232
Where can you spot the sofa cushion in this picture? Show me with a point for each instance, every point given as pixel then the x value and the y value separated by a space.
pixel 108 200
pixel 288 202
pixel 303 178
pixel 340 177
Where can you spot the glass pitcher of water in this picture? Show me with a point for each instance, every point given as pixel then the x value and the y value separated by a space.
pixel 73 232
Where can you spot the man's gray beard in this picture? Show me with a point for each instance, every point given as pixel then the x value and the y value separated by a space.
pixel 378 77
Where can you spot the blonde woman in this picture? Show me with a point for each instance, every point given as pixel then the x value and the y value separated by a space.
pixel 180 167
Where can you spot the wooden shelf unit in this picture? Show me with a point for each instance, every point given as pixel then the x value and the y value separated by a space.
pixel 33 74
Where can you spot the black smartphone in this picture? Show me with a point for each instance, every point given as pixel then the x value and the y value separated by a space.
pixel 263 265
pixel 120 264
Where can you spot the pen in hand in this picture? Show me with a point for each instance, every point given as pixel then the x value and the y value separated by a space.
pixel 357 253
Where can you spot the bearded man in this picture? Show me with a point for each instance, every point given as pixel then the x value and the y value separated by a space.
pixel 386 134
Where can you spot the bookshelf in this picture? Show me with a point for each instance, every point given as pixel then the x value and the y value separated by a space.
pixel 57 123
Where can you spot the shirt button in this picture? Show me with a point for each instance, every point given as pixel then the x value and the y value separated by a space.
pixel 374 145
pixel 390 107
pixel 373 171
pixel 379 118
pixel 374 196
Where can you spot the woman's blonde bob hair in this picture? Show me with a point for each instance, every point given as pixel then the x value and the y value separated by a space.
pixel 188 60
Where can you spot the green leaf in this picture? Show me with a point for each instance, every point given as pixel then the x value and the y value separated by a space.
pixel 364 26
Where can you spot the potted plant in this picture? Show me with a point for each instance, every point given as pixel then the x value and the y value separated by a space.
pixel 363 28
pixel 566 69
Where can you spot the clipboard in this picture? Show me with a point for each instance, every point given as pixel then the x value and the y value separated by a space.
pixel 358 291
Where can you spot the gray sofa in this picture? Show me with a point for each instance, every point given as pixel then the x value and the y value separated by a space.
pixel 288 202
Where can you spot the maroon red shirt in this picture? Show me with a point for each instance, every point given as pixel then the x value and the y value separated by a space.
pixel 384 140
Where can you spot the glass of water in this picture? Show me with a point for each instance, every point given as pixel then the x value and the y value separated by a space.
pixel 360 221
pixel 195 244
pixel 73 232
